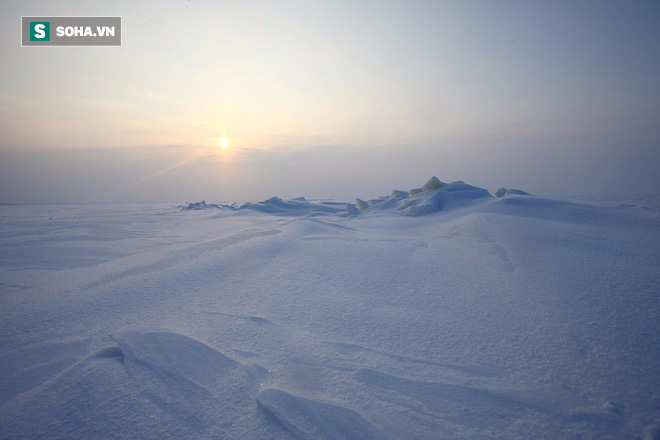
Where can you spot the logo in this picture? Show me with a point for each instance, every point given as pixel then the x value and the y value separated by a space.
pixel 70 31
pixel 39 31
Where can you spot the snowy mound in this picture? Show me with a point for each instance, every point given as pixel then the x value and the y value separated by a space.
pixel 275 205
pixel 203 206
pixel 504 192
pixel 297 206
pixel 199 206
pixel 312 419
pixel 453 195
pixel 432 197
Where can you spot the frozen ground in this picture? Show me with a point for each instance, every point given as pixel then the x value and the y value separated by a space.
pixel 447 314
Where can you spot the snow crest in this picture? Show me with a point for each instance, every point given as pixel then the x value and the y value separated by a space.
pixel 434 196
pixel 312 419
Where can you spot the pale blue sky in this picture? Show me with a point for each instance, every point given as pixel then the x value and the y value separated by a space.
pixel 332 99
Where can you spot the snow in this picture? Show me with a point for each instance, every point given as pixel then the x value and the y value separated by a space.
pixel 361 204
pixel 432 183
pixel 503 192
pixel 652 432
pixel 433 199
pixel 198 206
pixel 295 206
pixel 398 194
pixel 444 313
pixel 313 419
pixel 275 205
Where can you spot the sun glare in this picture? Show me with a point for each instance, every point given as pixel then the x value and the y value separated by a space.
pixel 224 142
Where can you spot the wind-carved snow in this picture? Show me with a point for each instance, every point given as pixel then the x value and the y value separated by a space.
pixel 274 205
pixel 199 206
pixel 311 419
pixel 503 192
pixel 296 206
pixel 432 197
pixel 514 316
pixel 159 381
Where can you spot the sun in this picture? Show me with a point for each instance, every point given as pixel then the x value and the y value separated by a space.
pixel 224 142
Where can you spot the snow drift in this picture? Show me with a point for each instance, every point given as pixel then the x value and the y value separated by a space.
pixel 432 197
pixel 482 317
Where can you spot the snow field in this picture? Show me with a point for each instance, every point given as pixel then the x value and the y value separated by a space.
pixel 443 313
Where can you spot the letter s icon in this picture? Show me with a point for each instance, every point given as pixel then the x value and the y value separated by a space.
pixel 39 31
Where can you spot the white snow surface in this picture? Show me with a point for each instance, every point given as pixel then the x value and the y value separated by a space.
pixel 470 317
pixel 503 192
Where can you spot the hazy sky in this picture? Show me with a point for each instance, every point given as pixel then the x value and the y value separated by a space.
pixel 334 98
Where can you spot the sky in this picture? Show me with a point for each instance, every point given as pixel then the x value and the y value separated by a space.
pixel 332 99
